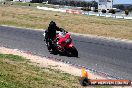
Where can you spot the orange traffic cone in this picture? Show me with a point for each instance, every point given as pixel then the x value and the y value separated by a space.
pixel 86 74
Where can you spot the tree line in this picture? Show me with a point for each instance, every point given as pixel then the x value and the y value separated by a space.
pixel 123 7
pixel 74 3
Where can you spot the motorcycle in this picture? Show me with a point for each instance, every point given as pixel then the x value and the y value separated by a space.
pixel 62 43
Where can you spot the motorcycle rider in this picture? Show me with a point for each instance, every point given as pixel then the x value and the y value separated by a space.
pixel 51 32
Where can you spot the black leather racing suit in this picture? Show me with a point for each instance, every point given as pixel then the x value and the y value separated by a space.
pixel 51 33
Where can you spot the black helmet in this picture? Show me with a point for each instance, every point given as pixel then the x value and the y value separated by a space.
pixel 52 24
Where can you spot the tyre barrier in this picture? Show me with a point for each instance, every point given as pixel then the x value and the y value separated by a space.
pixel 73 11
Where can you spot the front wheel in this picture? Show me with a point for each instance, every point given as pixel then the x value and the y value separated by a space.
pixel 72 52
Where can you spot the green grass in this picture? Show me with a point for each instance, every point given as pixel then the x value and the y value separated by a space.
pixel 28 3
pixel 103 87
pixel 17 72
pixel 12 57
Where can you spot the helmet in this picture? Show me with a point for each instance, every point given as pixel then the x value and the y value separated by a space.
pixel 52 24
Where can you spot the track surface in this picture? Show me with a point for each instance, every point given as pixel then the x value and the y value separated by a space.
pixel 109 56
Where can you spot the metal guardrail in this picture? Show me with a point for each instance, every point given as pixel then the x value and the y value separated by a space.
pixel 108 15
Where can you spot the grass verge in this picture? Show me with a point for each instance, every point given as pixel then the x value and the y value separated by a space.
pixel 18 72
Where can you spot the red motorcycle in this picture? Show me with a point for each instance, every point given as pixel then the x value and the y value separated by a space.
pixel 63 44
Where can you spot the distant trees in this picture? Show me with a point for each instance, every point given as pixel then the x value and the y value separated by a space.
pixel 103 11
pixel 126 12
pixel 124 7
pixel 86 9
pixel 120 6
pixel 75 3
pixel 112 11
pixel 94 4
pixel 129 8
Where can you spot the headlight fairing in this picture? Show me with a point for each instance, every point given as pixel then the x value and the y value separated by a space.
pixel 66 41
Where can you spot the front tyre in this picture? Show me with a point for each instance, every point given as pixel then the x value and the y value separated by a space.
pixel 72 52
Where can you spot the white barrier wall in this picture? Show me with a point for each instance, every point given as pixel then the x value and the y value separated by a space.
pixel 51 9
pixel 60 10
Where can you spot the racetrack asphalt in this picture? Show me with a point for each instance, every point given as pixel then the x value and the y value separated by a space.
pixel 108 56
